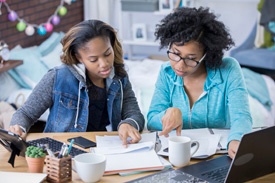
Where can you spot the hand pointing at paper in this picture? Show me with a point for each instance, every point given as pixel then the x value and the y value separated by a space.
pixel 171 120
pixel 125 130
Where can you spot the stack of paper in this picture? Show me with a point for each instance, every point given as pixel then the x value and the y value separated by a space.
pixel 136 157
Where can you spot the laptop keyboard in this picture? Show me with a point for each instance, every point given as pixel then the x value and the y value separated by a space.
pixel 217 175
pixel 54 145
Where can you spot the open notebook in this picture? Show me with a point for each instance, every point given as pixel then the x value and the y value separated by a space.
pixel 209 142
pixel 135 158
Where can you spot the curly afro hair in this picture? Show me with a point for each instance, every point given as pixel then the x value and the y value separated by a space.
pixel 192 24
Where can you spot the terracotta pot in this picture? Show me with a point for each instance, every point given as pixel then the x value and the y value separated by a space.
pixel 35 164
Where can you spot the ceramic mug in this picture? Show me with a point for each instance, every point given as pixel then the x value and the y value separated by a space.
pixel 90 166
pixel 180 150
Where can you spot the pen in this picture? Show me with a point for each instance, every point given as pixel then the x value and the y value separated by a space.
pixel 65 152
pixel 70 146
pixel 62 150
pixel 49 151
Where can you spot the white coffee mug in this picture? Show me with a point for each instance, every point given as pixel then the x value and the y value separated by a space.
pixel 90 166
pixel 180 150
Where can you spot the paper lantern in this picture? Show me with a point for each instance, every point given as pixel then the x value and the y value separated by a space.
pixel 12 16
pixel 62 11
pixel 41 30
pixel 48 27
pixel 29 30
pixel 21 26
pixel 55 20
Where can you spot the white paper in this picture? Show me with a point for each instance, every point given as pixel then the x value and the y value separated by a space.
pixel 132 161
pixel 224 136
pixel 22 177
pixel 144 146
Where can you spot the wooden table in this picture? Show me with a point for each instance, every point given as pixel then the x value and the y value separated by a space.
pixel 10 64
pixel 21 166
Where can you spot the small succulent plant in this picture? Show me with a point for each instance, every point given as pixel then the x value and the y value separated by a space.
pixel 35 152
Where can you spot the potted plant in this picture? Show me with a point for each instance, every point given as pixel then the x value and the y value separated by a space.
pixel 35 157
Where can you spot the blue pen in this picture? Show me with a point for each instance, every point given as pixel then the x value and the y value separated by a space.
pixel 70 146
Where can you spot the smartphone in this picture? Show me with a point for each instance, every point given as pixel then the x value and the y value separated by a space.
pixel 82 142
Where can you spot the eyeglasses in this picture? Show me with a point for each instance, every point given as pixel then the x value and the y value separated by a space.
pixel 188 61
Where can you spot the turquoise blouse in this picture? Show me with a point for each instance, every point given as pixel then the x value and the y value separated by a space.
pixel 223 104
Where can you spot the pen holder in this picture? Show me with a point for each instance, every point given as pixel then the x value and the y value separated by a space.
pixel 59 169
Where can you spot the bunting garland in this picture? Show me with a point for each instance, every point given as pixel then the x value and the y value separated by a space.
pixel 42 28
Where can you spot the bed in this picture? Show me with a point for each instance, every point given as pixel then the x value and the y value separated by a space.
pixel 17 84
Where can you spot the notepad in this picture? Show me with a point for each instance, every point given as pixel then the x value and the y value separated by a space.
pixel 22 177
pixel 136 158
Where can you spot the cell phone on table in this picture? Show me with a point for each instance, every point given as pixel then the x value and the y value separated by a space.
pixel 82 142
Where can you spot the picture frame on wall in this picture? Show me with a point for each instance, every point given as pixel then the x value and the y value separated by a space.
pixel 166 6
pixel 183 3
pixel 139 32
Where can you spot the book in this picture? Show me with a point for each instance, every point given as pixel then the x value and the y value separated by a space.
pixel 137 157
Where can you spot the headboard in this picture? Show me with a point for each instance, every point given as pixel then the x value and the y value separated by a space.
pixel 36 12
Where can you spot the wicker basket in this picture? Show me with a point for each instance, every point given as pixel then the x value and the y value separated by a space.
pixel 59 170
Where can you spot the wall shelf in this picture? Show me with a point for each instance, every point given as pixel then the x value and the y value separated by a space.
pixel 10 64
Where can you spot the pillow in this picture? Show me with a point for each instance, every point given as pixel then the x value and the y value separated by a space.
pixel 8 85
pixel 49 44
pixel 31 67
pixel 18 79
pixel 53 58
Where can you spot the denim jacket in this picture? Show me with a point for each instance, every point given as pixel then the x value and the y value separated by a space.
pixel 63 90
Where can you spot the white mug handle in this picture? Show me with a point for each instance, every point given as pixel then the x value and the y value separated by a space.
pixel 197 147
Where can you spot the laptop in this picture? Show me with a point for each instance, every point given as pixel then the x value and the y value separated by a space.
pixel 255 157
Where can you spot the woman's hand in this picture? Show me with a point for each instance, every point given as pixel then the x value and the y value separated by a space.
pixel 125 130
pixel 232 148
pixel 172 119
pixel 17 130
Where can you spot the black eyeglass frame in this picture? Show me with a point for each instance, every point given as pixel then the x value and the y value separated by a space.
pixel 181 58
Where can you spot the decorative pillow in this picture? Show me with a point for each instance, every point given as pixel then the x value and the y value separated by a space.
pixel 31 67
pixel 53 58
pixel 49 44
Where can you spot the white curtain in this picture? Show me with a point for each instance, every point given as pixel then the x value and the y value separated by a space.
pixel 100 9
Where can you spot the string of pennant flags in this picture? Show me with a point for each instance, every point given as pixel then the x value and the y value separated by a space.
pixel 41 28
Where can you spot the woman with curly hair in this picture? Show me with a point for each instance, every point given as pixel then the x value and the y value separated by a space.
pixel 198 88
pixel 90 91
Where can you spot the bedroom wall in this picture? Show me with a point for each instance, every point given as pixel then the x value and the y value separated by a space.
pixel 36 12
pixel 238 15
